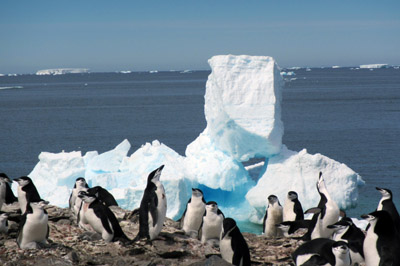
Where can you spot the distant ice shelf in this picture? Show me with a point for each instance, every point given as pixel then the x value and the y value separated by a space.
pixel 61 71
pixel 374 66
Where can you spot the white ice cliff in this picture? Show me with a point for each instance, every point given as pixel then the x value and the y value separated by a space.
pixel 243 113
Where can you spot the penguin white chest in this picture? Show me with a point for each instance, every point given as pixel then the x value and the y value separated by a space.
pixel 97 225
pixel 35 228
pixel 161 211
pixel 22 199
pixel 225 247
pixel 212 226
pixel 288 211
pixel 370 248
pixel 274 217
pixel 194 215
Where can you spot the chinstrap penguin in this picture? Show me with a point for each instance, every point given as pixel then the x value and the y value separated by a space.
pixel 232 245
pixel 211 227
pixel 74 200
pixel 386 204
pixel 273 216
pixel 193 216
pixel 101 218
pixel 3 223
pixel 346 230
pixel 327 214
pixel 153 207
pixel 33 228
pixel 26 192
pixel 381 243
pixel 292 209
pixel 6 194
pixel 322 251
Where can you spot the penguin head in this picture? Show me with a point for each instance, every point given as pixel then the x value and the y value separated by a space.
pixel 212 206
pixel 80 182
pixel 284 227
pixel 228 225
pixel 292 195
pixel 321 183
pixel 340 226
pixel 3 216
pixel 197 193
pixel 4 178
pixel 23 181
pixel 155 175
pixel 272 199
pixel 340 249
pixel 87 197
pixel 373 217
pixel 38 205
pixel 386 193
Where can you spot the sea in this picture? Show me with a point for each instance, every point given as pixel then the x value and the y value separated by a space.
pixel 350 115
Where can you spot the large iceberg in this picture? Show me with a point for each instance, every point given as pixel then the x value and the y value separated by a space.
pixel 243 114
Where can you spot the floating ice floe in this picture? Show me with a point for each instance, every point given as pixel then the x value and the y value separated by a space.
pixel 62 71
pixel 372 66
pixel 243 112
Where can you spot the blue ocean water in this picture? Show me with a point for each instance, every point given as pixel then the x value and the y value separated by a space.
pixel 352 116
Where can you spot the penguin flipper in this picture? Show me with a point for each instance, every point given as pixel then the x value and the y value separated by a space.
pixel 313 210
pixel 265 219
pixel 20 229
pixel 99 211
pixel 69 201
pixel 10 198
pixel 182 219
pixel 153 207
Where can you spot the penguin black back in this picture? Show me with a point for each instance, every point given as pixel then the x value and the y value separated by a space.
pixel 148 205
pixel 241 254
pixel 387 204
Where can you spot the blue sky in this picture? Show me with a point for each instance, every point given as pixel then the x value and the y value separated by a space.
pixel 164 35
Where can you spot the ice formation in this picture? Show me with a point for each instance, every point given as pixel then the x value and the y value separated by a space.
pixel 61 71
pixel 374 66
pixel 242 109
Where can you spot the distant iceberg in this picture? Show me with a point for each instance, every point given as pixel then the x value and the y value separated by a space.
pixel 186 71
pixel 336 66
pixel 153 71
pixel 61 71
pixel 289 73
pixel 243 113
pixel 372 66
pixel 125 72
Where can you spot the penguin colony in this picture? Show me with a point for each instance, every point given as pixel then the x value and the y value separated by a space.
pixel 331 238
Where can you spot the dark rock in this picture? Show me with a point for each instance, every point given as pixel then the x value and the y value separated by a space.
pixel 212 261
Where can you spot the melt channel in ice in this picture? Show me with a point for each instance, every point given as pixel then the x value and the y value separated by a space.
pixel 243 113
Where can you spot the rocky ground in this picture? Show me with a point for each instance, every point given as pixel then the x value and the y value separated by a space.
pixel 70 245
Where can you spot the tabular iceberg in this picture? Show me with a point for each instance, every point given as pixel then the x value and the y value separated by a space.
pixel 62 71
pixel 243 113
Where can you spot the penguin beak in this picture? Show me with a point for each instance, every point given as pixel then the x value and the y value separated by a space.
pixel 367 217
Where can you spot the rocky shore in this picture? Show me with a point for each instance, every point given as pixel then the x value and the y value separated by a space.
pixel 71 245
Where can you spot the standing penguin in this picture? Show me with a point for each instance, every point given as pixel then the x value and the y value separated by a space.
pixel 101 218
pixel 153 207
pixel 381 243
pixel 386 204
pixel 193 215
pixel 210 229
pixel 292 209
pixel 3 223
pixel 273 216
pixel 33 228
pixel 232 245
pixel 322 251
pixel 74 200
pixel 6 194
pixel 328 214
pixel 27 192
pixel 346 230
